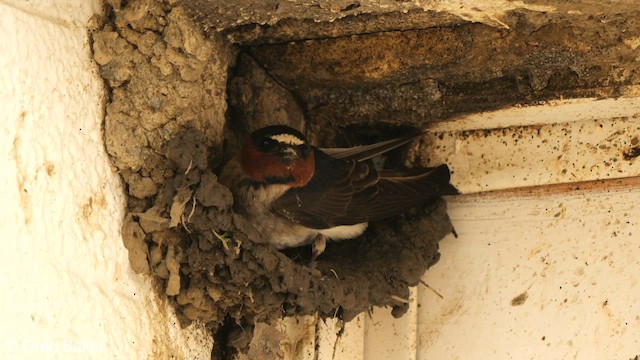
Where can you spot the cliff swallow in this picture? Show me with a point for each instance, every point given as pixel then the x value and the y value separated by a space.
pixel 289 193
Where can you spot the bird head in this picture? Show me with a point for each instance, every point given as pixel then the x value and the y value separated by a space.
pixel 278 154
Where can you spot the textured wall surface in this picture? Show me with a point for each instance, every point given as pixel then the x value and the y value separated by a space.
pixel 68 289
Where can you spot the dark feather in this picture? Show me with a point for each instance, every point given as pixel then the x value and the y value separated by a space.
pixel 348 192
pixel 366 152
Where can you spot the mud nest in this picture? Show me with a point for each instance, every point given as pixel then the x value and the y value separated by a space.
pixel 212 271
pixel 165 133
pixel 185 236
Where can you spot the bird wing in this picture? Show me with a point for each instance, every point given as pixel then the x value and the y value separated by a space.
pixel 348 192
pixel 366 152
pixel 399 193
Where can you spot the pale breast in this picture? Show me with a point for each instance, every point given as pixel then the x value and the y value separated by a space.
pixel 253 216
pixel 252 211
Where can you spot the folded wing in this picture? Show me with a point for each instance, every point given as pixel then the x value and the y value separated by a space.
pixel 366 152
pixel 347 191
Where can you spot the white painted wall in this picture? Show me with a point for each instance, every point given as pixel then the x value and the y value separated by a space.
pixel 67 288
pixel 575 257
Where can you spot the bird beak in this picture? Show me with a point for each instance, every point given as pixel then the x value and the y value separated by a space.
pixel 290 154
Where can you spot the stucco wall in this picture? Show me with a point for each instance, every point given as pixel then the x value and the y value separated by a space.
pixel 68 289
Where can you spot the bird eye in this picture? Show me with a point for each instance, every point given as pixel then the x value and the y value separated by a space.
pixel 266 143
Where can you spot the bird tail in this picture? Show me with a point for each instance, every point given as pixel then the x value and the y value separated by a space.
pixel 366 152
pixel 434 181
pixel 441 176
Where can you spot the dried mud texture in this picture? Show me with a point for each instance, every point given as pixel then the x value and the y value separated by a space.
pixel 213 274
pixel 251 22
pixel 164 75
pixel 257 100
pixel 275 21
pixel 363 64
pixel 164 132
pixel 416 76
pixel 224 15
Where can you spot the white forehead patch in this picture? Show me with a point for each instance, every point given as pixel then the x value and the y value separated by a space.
pixel 287 139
